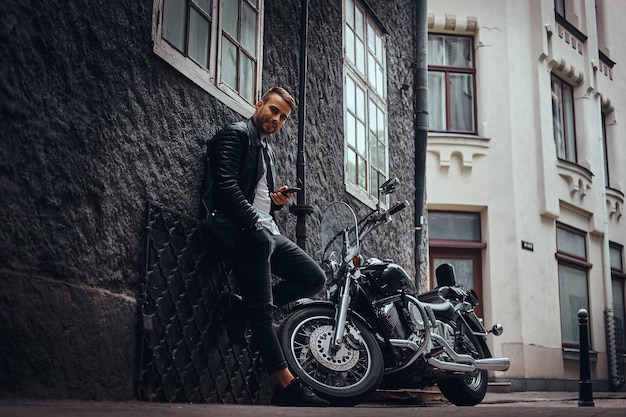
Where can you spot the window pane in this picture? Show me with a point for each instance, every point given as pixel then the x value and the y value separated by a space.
pixel 350 49
pixel 360 138
pixel 360 103
pixel 350 94
pixel 371 70
pixel 559 7
pixel 616 258
pixel 371 39
pixel 360 55
pixel 461 102
pixel 573 295
pixel 557 118
pixel 248 29
pixel 380 131
pixel 374 181
pixel 373 142
pixel 358 23
pixel 571 243
pixel 380 82
pixel 247 78
pixel 229 63
pixel 350 12
pixel 435 50
pixel 174 15
pixel 454 226
pixel 199 30
pixel 205 5
pixel 351 130
pixel 458 52
pixel 362 167
pixel 436 101
pixel 379 47
pixel 230 14
pixel 351 166
pixel 568 120
pixel 372 119
pixel 619 309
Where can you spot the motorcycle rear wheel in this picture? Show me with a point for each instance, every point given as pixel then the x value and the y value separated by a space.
pixel 470 390
pixel 344 379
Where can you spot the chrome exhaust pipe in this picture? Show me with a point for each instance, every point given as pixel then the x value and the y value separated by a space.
pixel 466 363
pixel 493 364
pixel 488 364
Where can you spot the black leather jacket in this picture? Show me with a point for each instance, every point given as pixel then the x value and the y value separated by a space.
pixel 233 167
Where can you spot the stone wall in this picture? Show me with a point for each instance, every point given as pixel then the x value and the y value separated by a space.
pixel 92 124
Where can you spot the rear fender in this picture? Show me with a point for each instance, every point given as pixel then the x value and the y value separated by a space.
pixel 476 327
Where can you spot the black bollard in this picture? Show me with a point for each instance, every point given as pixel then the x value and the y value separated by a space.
pixel 585 391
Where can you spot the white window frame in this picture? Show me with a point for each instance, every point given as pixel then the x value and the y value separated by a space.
pixel 362 77
pixel 209 78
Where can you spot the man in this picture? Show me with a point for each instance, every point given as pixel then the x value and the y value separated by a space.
pixel 238 199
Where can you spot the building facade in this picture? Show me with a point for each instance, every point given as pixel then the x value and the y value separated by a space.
pixel 526 176
pixel 106 105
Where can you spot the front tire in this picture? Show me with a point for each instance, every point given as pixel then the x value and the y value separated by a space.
pixel 469 390
pixel 346 378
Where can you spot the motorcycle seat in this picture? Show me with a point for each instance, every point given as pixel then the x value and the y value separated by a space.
pixel 439 305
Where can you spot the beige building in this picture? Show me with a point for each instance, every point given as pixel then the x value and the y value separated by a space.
pixel 526 176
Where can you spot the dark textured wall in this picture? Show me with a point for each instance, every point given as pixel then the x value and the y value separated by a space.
pixel 92 124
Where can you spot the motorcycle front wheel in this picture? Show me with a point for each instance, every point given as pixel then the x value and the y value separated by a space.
pixel 344 378
pixel 469 390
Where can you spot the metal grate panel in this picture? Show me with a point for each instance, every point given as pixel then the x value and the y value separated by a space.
pixel 185 354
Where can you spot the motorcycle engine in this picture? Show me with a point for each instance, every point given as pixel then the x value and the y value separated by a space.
pixel 389 315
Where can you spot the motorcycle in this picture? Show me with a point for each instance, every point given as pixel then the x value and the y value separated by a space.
pixel 373 330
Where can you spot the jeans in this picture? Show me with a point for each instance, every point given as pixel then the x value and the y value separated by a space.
pixel 256 256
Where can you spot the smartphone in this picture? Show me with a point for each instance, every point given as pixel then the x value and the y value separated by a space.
pixel 290 190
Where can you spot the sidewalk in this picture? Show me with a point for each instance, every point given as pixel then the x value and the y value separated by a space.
pixel 561 403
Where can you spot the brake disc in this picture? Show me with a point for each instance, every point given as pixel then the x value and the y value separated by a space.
pixel 319 344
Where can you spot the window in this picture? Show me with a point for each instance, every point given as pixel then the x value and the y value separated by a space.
pixel 365 112
pixel 215 43
pixel 559 7
pixel 563 119
pixel 455 238
pixel 573 268
pixel 606 152
pixel 451 73
pixel 618 280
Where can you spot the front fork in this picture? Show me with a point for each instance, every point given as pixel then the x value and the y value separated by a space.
pixel 341 314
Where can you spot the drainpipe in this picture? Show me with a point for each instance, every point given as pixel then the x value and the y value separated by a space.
pixel 301 209
pixel 609 317
pixel 420 94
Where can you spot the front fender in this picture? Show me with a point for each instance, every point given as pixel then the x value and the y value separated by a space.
pixel 310 302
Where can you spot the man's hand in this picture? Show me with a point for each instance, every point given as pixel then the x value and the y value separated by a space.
pixel 279 198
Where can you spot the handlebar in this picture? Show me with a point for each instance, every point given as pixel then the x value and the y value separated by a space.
pixel 399 206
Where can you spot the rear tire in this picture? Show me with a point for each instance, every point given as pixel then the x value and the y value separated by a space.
pixel 470 390
pixel 344 379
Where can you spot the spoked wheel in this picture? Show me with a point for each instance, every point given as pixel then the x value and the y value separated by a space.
pixel 344 377
pixel 469 390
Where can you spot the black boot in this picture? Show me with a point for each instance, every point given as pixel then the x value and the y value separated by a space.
pixel 297 394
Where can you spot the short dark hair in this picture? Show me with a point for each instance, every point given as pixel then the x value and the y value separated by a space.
pixel 284 94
